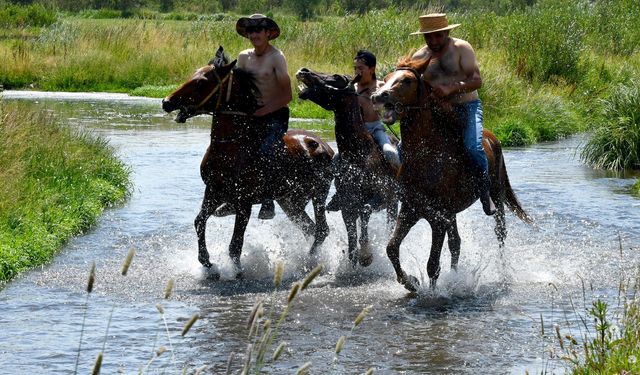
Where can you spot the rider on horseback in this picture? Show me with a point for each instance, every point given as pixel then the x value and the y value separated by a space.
pixel 364 65
pixel 269 67
pixel 454 76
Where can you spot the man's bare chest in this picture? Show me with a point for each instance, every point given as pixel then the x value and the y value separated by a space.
pixel 441 67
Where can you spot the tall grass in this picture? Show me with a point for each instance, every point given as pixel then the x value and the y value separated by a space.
pixel 615 144
pixel 54 183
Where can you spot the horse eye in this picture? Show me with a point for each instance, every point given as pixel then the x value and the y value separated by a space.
pixel 406 81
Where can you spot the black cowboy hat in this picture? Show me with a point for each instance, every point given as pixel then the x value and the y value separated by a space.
pixel 257 20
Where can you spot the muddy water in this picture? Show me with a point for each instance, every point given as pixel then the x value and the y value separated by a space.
pixel 486 318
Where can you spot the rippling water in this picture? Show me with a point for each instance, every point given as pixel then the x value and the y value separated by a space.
pixel 486 318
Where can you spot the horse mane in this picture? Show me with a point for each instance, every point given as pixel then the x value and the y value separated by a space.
pixel 247 82
pixel 408 62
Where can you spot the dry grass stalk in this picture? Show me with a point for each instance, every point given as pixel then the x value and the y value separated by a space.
pixel 340 344
pixel 294 291
pixel 98 365
pixel 201 369
pixel 127 262
pixel 369 371
pixel 361 316
pixel 304 369
pixel 190 323
pixel 160 350
pixel 312 275
pixel 169 289
pixel 278 351
pixel 277 278
pixel 229 362
pixel 160 308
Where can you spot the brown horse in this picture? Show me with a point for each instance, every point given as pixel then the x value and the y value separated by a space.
pixel 231 168
pixel 361 173
pixel 437 176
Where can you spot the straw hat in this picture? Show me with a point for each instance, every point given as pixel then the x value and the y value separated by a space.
pixel 434 22
pixel 257 20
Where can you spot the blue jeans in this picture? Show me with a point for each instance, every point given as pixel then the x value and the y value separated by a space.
pixel 379 134
pixel 472 111
pixel 277 124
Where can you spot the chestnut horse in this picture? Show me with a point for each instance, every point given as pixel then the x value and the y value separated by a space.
pixel 231 168
pixel 437 176
pixel 362 173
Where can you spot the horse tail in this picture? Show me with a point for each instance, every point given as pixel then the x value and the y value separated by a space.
pixel 512 201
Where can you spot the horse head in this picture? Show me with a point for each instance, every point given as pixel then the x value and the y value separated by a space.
pixel 202 92
pixel 403 90
pixel 326 90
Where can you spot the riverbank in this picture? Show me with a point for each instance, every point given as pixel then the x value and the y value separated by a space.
pixel 545 68
pixel 56 183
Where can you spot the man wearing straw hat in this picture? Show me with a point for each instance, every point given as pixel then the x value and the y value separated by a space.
pixel 269 67
pixel 454 76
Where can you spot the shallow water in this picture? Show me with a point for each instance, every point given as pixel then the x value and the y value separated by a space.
pixel 486 318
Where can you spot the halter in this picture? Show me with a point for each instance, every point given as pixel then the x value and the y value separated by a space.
pixel 227 78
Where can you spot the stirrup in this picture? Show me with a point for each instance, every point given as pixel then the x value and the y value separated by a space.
pixel 267 211
pixel 224 209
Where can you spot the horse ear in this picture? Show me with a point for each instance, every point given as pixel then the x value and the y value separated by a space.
pixel 219 59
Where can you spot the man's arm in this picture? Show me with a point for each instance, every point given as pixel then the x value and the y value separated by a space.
pixel 471 71
pixel 283 83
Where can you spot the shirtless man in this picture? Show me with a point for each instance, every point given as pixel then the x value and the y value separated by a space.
pixel 269 67
pixel 454 76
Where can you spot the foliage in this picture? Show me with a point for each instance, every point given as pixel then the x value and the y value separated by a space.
pixel 615 144
pixel 545 42
pixel 55 183
pixel 23 16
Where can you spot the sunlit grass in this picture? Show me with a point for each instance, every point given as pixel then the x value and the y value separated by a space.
pixel 55 184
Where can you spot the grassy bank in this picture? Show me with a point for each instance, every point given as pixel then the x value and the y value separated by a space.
pixel 55 182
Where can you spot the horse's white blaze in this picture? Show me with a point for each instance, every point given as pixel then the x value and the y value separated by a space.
pixel 300 138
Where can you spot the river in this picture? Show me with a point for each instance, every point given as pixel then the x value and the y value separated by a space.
pixel 487 318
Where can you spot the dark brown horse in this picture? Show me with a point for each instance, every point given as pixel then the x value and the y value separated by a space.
pixel 361 173
pixel 437 177
pixel 231 168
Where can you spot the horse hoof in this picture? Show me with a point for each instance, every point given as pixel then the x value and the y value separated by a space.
pixel 410 283
pixel 366 260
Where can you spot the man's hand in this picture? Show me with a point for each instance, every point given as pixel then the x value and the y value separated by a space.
pixel 442 91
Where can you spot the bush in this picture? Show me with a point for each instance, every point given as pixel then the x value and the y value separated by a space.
pixel 24 16
pixel 615 144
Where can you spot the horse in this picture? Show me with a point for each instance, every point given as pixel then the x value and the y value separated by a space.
pixel 231 168
pixel 361 171
pixel 437 177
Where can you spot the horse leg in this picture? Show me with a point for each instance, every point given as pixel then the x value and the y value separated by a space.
pixel 501 224
pixel 243 212
pixel 406 220
pixel 392 213
pixel 454 243
pixel 366 257
pixel 438 231
pixel 349 217
pixel 321 228
pixel 207 208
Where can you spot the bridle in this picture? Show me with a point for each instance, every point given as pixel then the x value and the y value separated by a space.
pixel 400 108
pixel 221 81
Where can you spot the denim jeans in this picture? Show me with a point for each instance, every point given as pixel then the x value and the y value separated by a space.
pixel 379 134
pixel 472 111
pixel 277 124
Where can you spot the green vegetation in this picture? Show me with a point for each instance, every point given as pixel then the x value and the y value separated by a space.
pixel 55 184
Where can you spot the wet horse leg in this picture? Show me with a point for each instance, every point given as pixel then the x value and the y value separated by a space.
pixel 322 228
pixel 209 204
pixel 366 257
pixel 406 220
pixel 243 212
pixel 454 243
pixel 438 231
pixel 349 216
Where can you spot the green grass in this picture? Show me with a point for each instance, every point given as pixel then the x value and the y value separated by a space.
pixel 56 182
pixel 545 68
pixel 615 144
